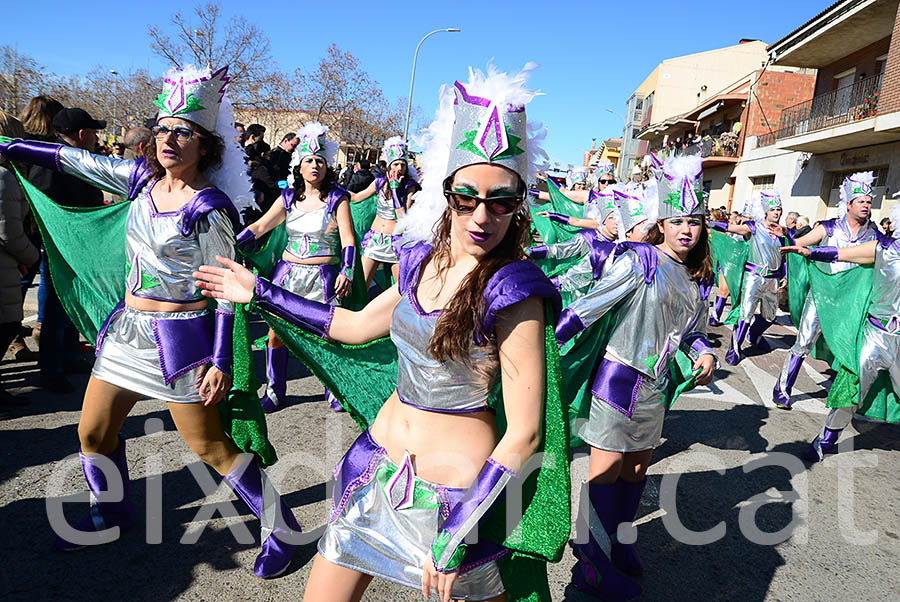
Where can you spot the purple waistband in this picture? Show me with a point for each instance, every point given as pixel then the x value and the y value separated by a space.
pixel 750 267
pixel 183 344
pixel 484 408
pixel 617 385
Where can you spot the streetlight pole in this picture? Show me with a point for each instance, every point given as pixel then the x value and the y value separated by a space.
pixel 412 80
pixel 621 152
pixel 115 102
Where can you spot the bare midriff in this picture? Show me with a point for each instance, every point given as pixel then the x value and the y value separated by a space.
pixel 384 226
pixel 153 305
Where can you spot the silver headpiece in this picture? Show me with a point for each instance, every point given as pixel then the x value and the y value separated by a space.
pixel 680 192
pixel 193 95
pixel 853 186
pixel 576 175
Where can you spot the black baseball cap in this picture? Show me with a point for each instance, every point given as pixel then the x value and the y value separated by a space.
pixel 73 119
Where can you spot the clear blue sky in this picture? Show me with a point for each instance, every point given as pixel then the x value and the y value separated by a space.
pixel 592 55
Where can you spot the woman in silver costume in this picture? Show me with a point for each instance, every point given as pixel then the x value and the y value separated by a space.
pixel 320 254
pixel 393 200
pixel 431 466
pixel 881 331
pixel 597 201
pixel 162 341
pixel 654 290
pixel 764 271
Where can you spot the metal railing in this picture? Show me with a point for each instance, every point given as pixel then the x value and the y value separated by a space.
pixel 844 105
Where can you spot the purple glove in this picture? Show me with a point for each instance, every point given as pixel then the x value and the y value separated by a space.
pixel 568 326
pixel 720 226
pixel 348 261
pixel 558 217
pixel 534 192
pixel 824 254
pixel 245 237
pixel 43 154
pixel 538 251
pixel 223 342
pixel 312 316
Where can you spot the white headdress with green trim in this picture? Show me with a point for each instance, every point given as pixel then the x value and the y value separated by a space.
pixel 479 122
pixel 762 202
pixel 576 175
pixel 313 141
pixel 193 94
pixel 602 168
pixel 853 186
pixel 680 191
pixel 395 148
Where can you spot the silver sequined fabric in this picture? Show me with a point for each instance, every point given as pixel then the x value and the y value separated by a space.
pixel 311 233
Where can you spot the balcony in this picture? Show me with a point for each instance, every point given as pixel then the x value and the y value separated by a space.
pixel 840 119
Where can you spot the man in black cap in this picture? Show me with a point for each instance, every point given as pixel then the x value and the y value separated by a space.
pixel 59 347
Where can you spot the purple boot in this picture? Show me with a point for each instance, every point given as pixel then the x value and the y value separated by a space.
pixel 624 556
pixel 716 318
pixel 277 522
pixel 594 573
pixel 822 445
pixel 756 334
pixel 734 356
pixel 333 402
pixel 781 394
pixel 276 371
pixel 103 514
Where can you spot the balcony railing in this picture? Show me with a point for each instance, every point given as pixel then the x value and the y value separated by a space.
pixel 844 105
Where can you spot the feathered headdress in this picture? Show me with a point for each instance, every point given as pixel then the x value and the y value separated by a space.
pixel 313 141
pixel 894 214
pixel 680 192
pixel 856 185
pixel 199 95
pixel 762 202
pixel 600 169
pixel 481 121
pixel 396 149
pixel 600 205
pixel 631 207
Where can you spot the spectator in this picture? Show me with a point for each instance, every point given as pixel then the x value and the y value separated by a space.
pixel 887 226
pixel 280 157
pixel 59 348
pixel 803 227
pixel 135 140
pixel 380 169
pixel 118 150
pixel 361 178
pixel 17 253
pixel 37 118
pixel 790 221
pixel 254 145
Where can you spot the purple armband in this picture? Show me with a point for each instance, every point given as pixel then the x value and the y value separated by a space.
pixel 558 217
pixel 312 316
pixel 538 251
pixel 448 550
pixel 223 341
pixel 568 326
pixel 348 261
pixel 720 226
pixel 534 192
pixel 43 154
pixel 245 237
pixel 824 254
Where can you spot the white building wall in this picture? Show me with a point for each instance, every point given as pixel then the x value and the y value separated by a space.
pixel 787 167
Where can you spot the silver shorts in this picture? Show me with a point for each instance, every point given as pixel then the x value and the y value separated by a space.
pixel 380 247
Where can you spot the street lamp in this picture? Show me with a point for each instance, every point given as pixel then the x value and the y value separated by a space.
pixel 622 155
pixel 412 80
pixel 115 101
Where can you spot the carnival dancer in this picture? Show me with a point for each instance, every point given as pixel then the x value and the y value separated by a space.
pixel 394 198
pixel 319 258
pixel 880 348
pixel 715 318
pixel 597 200
pixel 163 341
pixel 401 508
pixel 764 272
pixel 595 247
pixel 852 227
pixel 654 288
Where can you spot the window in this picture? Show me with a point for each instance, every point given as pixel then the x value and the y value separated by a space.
pixel 763 182
pixel 707 187
pixel 837 177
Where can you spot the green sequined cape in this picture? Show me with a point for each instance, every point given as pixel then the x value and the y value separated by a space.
pixel 550 231
pixel 90 281
pixel 729 256
pixel 362 377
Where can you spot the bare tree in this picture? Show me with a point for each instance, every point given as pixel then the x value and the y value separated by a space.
pixel 206 40
pixel 21 78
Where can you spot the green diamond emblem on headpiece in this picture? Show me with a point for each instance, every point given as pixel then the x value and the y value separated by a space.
pixel 469 145
pixel 191 104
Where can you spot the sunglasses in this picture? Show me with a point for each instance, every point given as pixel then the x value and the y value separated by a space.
pixel 607 181
pixel 466 204
pixel 182 134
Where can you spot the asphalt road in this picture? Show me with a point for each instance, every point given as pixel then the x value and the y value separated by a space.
pixel 729 462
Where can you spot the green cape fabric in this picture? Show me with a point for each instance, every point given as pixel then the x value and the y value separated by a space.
pixel 91 283
pixel 730 255
pixel 362 377
pixel 550 231
pixel 798 288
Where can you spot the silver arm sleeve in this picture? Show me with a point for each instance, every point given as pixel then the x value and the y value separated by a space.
pixel 574 247
pixel 624 277
pixel 578 277
pixel 216 237
pixel 106 173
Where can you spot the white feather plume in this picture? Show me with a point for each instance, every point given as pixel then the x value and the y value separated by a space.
pixel 410 168
pixel 419 222
pixel 651 204
pixel 866 177
pixel 313 129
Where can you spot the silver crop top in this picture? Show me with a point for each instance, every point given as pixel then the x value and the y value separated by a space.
pixel 312 233
pixel 765 247
pixel 453 386
pixel 837 234
pixel 161 261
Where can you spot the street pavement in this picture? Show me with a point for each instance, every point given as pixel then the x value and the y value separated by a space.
pixel 728 462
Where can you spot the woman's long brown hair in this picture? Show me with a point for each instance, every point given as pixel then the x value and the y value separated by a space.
pixel 698 262
pixel 453 333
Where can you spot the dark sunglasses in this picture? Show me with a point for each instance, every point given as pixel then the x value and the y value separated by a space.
pixel 182 134
pixel 465 204
pixel 607 181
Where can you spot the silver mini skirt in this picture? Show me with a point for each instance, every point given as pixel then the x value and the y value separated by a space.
pixel 380 247
pixel 313 282
pixel 129 357
pixel 367 534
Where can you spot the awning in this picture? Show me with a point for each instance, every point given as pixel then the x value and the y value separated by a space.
pixel 710 111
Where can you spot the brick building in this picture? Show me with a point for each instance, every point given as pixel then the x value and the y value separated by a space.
pixel 852 122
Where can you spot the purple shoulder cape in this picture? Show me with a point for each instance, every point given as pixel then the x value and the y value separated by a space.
pixel 512 283
pixel 411 258
pixel 829 225
pixel 203 202
pixel 645 252
pixel 139 177
pixel 600 250
pixel 334 197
